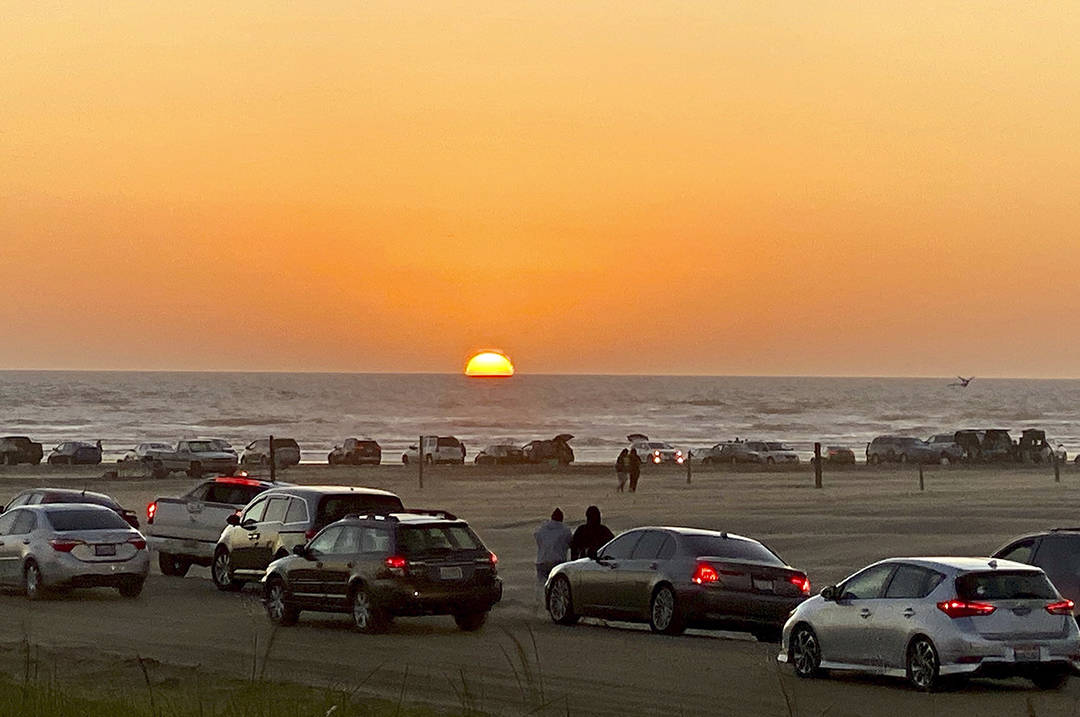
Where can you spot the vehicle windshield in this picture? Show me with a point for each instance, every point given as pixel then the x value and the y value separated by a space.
pixel 64 521
pixel 657 445
pixel 417 539
pixel 731 548
pixel 336 507
pixel 448 443
pixel 777 447
pixel 1005 585
pixel 220 445
pixel 201 446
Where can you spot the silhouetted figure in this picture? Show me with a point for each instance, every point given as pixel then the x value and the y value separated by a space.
pixel 622 469
pixel 590 537
pixel 552 544
pixel 634 465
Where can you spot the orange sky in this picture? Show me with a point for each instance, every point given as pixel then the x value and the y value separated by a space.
pixel 884 188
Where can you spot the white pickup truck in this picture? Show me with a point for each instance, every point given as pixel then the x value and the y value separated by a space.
pixel 195 457
pixel 185 530
pixel 437 449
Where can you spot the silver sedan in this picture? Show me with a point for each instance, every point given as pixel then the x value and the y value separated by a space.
pixel 929 618
pixel 61 546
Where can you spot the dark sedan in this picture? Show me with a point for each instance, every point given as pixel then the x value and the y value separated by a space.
pixel 675 578
pixel 36 496
pixel 501 454
pixel 75 453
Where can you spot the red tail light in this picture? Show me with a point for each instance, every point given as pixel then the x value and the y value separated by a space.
pixel 962 608
pixel 139 543
pixel 64 546
pixel 494 558
pixel 705 573
pixel 1065 607
pixel 395 562
pixel 151 511
pixel 802 582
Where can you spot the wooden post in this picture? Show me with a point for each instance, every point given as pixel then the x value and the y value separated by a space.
pixel 420 460
pixel 817 465
pixel 922 486
pixel 273 461
pixel 1057 468
pixel 689 461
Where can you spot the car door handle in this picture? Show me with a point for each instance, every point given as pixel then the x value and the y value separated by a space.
pixel 864 613
pixel 26 542
pixel 909 612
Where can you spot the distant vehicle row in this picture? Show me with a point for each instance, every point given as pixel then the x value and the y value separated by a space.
pixel 970 446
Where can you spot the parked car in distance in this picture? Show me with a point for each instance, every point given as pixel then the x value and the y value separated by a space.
pixel 970 443
pixel 500 454
pixel 279 519
pixel 773 452
pixel 19 449
pixel 946 448
pixel 674 578
pixel 927 619
pixel 194 457
pixel 1056 552
pixel 49 496
pixel 72 453
pixel 899 449
pixel 654 452
pixel 1034 448
pixel 286 452
pixel 356 452
pixel 555 450
pixel 437 449
pixel 54 547
pixel 185 530
pixel 997 446
pixel 378 567
pixel 144 452
pixel 731 452
pixel 837 456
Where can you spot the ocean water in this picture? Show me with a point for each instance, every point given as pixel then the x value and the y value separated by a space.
pixel 319 410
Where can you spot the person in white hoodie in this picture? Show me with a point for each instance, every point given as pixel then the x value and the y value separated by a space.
pixel 552 545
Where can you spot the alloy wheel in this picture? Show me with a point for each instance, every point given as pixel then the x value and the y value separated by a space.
pixel 805 652
pixel 664 612
pixel 222 570
pixel 33 581
pixel 922 665
pixel 275 601
pixel 362 610
pixel 559 601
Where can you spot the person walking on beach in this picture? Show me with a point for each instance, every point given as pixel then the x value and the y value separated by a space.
pixel 634 461
pixel 590 536
pixel 621 469
pixel 552 544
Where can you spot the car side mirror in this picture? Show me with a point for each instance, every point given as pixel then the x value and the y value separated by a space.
pixel 249 524
pixel 830 593
pixel 233 519
pixel 300 550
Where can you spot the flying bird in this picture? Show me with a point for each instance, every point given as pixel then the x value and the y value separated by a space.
pixel 962 382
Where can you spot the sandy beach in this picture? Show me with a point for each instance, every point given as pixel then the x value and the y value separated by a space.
pixel 860 515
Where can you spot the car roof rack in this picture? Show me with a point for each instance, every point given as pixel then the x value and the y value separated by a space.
pixel 1064 530
pixel 392 517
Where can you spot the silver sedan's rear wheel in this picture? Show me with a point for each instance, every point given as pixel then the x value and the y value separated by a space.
pixel 805 652
pixel 923 668
pixel 33 585
pixel 560 603
pixel 664 614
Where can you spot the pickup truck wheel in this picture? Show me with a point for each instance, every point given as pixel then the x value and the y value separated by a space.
pixel 221 572
pixel 429 459
pixel 173 565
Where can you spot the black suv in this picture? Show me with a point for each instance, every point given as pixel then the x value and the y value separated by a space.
pixel 376 567
pixel 19 449
pixel 280 519
pixel 1056 551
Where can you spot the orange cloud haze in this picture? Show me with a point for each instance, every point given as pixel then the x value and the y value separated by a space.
pixel 796 188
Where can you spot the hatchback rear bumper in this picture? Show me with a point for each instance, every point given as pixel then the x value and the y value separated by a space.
pixel 415 600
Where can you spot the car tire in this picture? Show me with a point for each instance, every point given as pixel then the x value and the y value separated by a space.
pixel 873 459
pixel 1050 679
pixel 429 459
pixel 944 460
pixel 665 615
pixel 769 461
pixel 10 459
pixel 131 589
pixel 804 652
pixel 221 572
pixel 367 616
pixel 902 458
pixel 405 460
pixel 278 608
pixel 173 565
pixel 33 584
pixel 470 621
pixel 560 602
pixel 923 665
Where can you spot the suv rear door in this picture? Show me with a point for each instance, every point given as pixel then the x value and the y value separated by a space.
pixel 443 554
pixel 1058 555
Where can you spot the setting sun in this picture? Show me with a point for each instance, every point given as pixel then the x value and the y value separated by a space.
pixel 490 364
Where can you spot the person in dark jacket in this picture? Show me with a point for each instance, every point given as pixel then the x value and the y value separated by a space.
pixel 621 469
pixel 634 465
pixel 590 537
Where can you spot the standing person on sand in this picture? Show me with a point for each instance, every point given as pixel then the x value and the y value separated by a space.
pixel 590 536
pixel 634 461
pixel 552 544
pixel 621 469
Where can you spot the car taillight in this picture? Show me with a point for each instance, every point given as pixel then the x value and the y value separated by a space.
pixel 395 562
pixel 65 546
pixel 495 559
pixel 962 608
pixel 1064 607
pixel 705 573
pixel 802 582
pixel 139 543
pixel 151 511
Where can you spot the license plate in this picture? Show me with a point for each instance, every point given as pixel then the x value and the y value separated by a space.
pixel 762 584
pixel 104 550
pixel 1026 654
pixel 450 573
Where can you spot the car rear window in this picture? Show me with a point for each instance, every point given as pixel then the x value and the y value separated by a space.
pixel 1005 585
pixel 78 498
pixel 448 443
pixel 232 493
pixel 418 539
pixel 285 443
pixel 336 507
pixel 730 548
pixel 64 521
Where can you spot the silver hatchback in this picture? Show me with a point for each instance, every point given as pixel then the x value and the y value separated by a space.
pixel 63 546
pixel 929 618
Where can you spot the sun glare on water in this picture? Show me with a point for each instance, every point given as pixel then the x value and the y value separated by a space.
pixel 489 364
